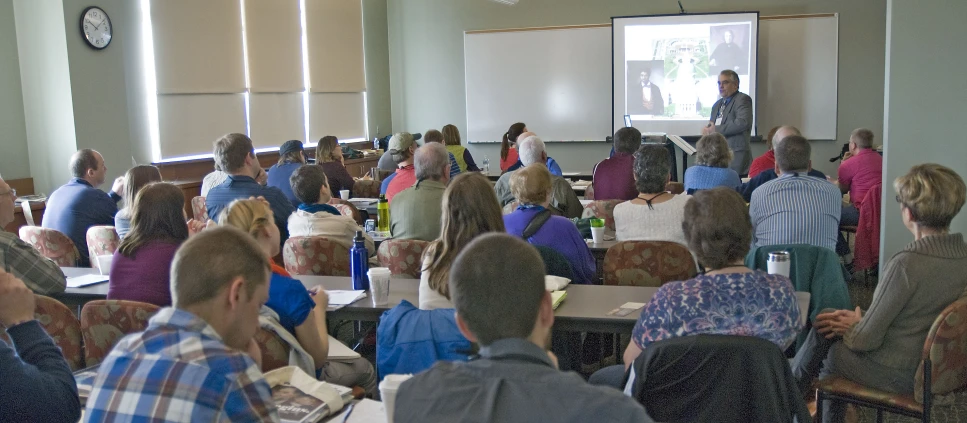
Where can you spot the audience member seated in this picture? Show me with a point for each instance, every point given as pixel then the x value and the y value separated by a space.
pixel 20 259
pixel 196 361
pixel 139 270
pixel 497 285
pixel 292 155
pixel 451 138
pixel 711 167
pixel 135 179
pixel 469 209
pixel 401 147
pixel 75 207
pixel 434 136
pixel 37 382
pixel 655 215
pixel 301 312
pixel 217 177
pixel 747 188
pixel 329 156
pixel 508 146
pixel 552 165
pixel 234 152
pixel 534 222
pixel 613 178
pixel 416 211
pixel 564 201
pixel 315 217
pixel 729 299
pixel 386 161
pixel 861 169
pixel 795 208
pixel 882 347
pixel 767 160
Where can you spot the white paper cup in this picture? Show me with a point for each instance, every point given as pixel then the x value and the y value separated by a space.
pixel 778 267
pixel 344 194
pixel 104 263
pixel 387 392
pixel 379 285
pixel 597 234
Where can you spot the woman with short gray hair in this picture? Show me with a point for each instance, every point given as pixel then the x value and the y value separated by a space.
pixel 654 215
pixel 711 165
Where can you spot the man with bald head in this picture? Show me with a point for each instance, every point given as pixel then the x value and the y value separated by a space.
pixel 552 165
pixel 415 212
pixel 767 175
pixel 75 207
pixel 564 201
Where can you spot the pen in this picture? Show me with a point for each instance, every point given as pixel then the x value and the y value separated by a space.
pixel 345 418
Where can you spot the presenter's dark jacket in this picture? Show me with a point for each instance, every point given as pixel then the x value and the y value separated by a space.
pixel 736 120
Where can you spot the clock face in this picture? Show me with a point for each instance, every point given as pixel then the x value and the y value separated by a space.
pixel 96 27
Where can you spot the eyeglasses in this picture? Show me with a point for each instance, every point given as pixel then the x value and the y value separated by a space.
pixel 12 192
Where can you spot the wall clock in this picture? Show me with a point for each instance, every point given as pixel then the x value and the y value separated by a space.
pixel 96 27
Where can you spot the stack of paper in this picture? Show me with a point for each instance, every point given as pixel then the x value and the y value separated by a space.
pixel 557 297
pixel 340 298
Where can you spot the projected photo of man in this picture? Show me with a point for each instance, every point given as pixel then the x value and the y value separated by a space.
pixel 644 94
pixel 731 48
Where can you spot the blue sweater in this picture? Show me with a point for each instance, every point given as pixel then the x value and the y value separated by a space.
pixel 243 187
pixel 706 177
pixel 75 207
pixel 37 382
pixel 279 178
pixel 560 234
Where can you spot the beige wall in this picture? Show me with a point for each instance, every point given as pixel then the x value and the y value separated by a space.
pixel 925 101
pixel 14 161
pixel 427 70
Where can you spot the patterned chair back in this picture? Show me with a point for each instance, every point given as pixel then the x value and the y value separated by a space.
pixel 101 241
pixel 199 209
pixel 602 209
pixel 105 322
pixel 589 192
pixel 347 209
pixel 275 351
pixel 366 188
pixel 647 263
pixel 315 255
pixel 403 257
pixel 60 323
pixel 946 348
pixel 51 244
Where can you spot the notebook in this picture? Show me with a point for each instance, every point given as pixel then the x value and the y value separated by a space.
pixel 342 298
pixel 81 281
pixel 339 351
pixel 557 297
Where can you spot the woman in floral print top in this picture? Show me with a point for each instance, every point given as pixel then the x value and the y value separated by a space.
pixel 729 299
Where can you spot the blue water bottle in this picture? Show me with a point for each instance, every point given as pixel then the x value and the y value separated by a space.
pixel 359 262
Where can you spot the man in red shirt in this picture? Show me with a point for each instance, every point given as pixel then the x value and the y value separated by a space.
pixel 402 146
pixel 862 168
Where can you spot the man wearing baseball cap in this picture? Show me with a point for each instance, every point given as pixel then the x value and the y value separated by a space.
pixel 402 146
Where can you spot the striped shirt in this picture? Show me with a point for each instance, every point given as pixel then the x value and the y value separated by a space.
pixel 796 209
pixel 179 370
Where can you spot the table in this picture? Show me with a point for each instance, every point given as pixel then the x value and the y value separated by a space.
pixel 584 310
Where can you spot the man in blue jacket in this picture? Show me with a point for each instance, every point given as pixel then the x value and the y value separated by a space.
pixel 75 207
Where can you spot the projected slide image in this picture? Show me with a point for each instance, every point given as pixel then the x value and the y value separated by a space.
pixel 730 48
pixel 645 79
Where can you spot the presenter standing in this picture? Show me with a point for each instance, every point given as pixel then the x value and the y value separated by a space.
pixel 732 117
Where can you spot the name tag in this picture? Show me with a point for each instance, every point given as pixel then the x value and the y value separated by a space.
pixel 718 121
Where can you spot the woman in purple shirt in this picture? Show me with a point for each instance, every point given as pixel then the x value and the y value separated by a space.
pixel 140 268
pixel 531 186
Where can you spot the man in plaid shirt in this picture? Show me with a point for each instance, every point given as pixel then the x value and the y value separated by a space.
pixel 18 258
pixel 194 362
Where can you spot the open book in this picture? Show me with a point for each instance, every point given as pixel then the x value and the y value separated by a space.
pixel 301 398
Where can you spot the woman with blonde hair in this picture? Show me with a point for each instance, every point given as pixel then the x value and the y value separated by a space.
pixel 711 165
pixel 451 138
pixel 470 208
pixel 329 156
pixel 532 220
pixel 882 347
pixel 134 179
pixel 301 312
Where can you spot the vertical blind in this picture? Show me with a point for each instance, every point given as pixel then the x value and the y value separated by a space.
pixel 238 66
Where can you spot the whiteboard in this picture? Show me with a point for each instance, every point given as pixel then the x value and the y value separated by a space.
pixel 798 67
pixel 558 80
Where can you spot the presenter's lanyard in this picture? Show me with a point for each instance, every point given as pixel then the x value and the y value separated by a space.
pixel 724 105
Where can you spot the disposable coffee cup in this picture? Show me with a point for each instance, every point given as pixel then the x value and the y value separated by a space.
pixel 104 263
pixel 344 194
pixel 597 230
pixel 379 285
pixel 387 392
pixel 778 263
